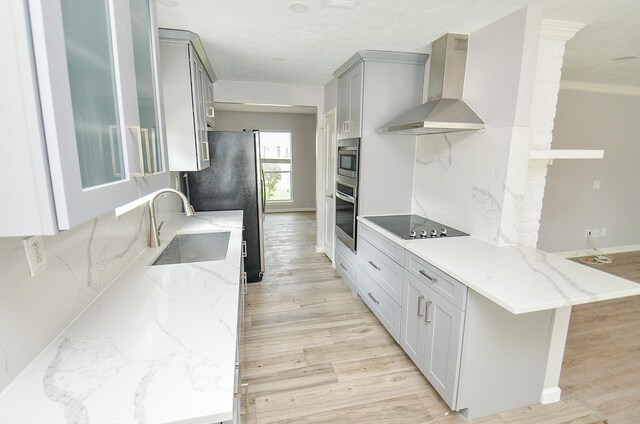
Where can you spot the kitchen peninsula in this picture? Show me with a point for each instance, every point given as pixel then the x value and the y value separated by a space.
pixel 479 320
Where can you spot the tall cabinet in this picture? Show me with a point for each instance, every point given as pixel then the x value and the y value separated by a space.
pixel 85 119
pixel 375 87
pixel 187 78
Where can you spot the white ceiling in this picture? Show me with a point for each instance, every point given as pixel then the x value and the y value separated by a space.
pixel 263 40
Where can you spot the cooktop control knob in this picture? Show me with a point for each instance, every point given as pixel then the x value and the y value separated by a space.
pixel 412 234
pixel 423 234
pixel 443 232
pixel 433 232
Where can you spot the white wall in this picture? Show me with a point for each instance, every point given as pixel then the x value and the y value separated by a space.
pixel 589 120
pixel 303 140
pixel 461 178
pixel 282 94
pixel 81 263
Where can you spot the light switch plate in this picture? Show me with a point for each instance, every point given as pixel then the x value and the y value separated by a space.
pixel 36 256
pixel 596 184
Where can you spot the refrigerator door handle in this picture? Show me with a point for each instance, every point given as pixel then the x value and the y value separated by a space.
pixel 264 192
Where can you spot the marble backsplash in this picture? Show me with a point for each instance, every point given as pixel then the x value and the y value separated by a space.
pixel 81 263
pixel 460 180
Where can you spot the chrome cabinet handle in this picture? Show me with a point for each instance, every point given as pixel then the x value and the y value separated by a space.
pixel 374 265
pixel 420 299
pixel 343 267
pixel 137 131
pixel 348 126
pixel 432 279
pixel 205 149
pixel 426 312
pixel 330 196
pixel 210 112
pixel 244 249
pixel 373 298
pixel 244 283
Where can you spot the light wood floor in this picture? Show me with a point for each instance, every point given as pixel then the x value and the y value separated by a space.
pixel 312 352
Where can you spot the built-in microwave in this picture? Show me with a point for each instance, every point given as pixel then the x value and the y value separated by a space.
pixel 348 152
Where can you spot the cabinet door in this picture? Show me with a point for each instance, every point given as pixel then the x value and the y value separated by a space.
pixel 197 84
pixel 344 108
pixel 413 329
pixel 355 102
pixel 443 346
pixel 83 68
pixel 145 50
pixel 210 112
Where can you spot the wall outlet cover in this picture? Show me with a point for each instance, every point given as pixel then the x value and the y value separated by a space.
pixel 597 184
pixel 36 256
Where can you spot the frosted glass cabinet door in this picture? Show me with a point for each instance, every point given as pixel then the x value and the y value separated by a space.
pixel 88 131
pixel 143 33
pixel 94 97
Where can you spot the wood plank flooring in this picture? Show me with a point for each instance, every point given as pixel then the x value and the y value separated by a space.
pixel 312 352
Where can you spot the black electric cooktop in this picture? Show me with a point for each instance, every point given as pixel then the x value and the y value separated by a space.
pixel 414 226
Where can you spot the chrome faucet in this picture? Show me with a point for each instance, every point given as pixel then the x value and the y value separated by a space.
pixel 154 230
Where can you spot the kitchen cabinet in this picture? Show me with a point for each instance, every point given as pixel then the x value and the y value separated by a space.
pixel 432 336
pixel 346 262
pixel 187 81
pixel 373 88
pixel 350 103
pixel 83 78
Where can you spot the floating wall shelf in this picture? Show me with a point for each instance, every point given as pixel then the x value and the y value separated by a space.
pixel 551 154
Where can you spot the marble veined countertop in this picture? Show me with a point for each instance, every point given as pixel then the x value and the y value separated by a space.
pixel 518 278
pixel 156 346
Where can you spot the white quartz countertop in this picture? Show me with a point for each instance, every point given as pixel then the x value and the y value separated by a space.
pixel 157 346
pixel 518 278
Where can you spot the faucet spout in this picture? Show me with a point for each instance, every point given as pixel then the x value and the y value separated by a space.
pixel 154 233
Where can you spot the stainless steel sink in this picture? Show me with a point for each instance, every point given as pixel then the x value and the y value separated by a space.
pixel 201 247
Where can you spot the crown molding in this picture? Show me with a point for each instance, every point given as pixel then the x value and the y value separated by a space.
pixel 593 87
pixel 554 29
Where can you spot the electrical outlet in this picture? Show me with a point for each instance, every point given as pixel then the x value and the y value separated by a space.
pixel 603 232
pixel 36 257
pixel 587 233
pixel 595 233
pixel 596 184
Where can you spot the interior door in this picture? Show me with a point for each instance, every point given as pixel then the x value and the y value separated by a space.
pixel 329 182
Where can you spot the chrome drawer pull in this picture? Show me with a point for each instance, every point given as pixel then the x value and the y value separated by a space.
pixel 343 267
pixel 432 279
pixel 420 299
pixel 426 312
pixel 374 265
pixel 373 298
pixel 244 249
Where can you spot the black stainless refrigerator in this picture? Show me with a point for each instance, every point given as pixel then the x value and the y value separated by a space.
pixel 234 181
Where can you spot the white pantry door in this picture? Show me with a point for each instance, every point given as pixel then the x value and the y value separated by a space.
pixel 329 183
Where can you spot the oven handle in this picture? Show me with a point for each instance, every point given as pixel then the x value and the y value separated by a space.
pixel 346 197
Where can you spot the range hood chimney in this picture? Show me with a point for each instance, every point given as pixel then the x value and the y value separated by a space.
pixel 444 110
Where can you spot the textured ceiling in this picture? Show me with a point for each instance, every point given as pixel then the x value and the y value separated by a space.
pixel 263 40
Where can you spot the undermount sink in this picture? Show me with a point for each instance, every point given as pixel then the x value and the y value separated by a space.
pixel 185 248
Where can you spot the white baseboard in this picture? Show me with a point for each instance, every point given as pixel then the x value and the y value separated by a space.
pixel 289 210
pixel 550 395
pixel 606 250
pixel 319 249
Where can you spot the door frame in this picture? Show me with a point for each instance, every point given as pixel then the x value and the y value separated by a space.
pixel 329 156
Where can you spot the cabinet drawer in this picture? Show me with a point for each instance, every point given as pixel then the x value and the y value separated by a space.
pixel 385 271
pixel 383 244
pixel 346 270
pixel 345 251
pixel 387 311
pixel 449 288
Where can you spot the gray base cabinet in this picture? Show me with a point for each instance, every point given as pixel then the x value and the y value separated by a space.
pixel 479 357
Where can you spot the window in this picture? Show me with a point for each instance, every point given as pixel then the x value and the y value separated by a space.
pixel 275 151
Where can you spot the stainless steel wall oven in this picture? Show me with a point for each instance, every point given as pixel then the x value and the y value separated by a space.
pixel 347 191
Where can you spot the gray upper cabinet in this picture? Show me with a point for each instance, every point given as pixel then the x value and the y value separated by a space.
pixel 350 103
pixel 76 76
pixel 187 81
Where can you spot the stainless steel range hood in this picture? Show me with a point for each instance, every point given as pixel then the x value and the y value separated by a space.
pixel 444 110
